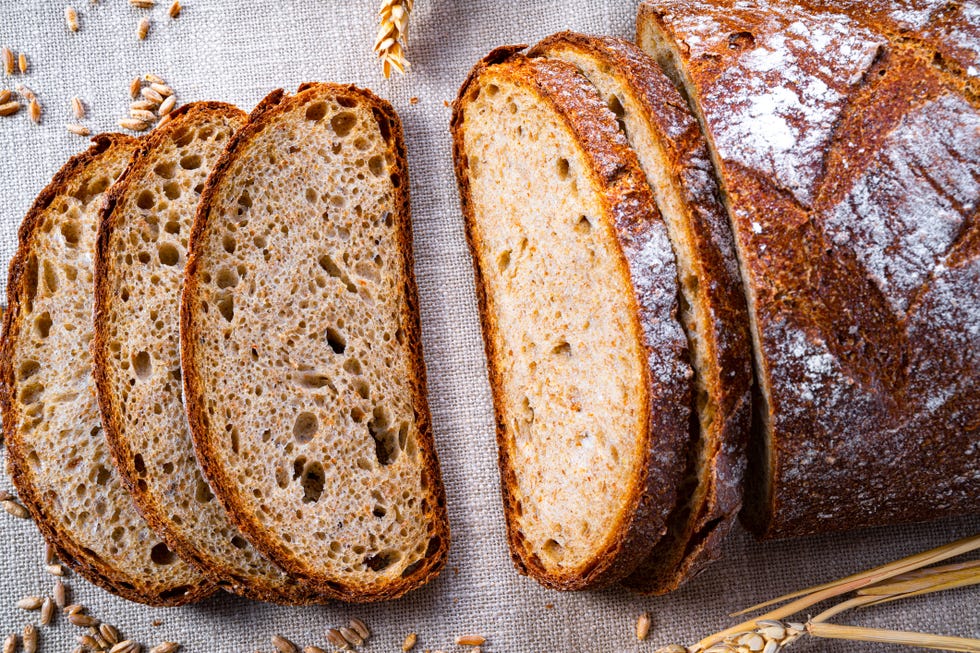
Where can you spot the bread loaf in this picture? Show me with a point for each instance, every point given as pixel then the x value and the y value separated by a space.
pixel 58 456
pixel 578 299
pixel 139 272
pixel 848 156
pixel 303 372
pixel 673 154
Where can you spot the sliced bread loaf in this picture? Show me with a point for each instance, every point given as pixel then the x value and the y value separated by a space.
pixel 577 288
pixel 303 371
pixel 58 456
pixel 673 153
pixel 139 271
pixel 847 148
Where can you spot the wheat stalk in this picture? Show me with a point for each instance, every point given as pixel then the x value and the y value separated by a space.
pixel 393 35
pixel 897 580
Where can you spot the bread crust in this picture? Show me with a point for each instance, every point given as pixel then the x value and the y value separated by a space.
pixel 194 391
pixel 869 410
pixel 728 378
pixel 228 576
pixel 628 201
pixel 93 569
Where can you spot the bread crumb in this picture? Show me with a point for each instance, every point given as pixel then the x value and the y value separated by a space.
pixel 414 100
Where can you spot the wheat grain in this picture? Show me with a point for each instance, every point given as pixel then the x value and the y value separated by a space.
pixel 313 649
pixel 34 110
pixel 393 35
pixel 336 639
pixel 47 611
pixel 351 636
pixel 71 18
pixel 109 633
pixel 78 130
pixel 30 638
pixel 470 640
pixel 151 95
pixel 165 647
pixel 167 105
pixel 283 645
pixel 4 98
pixel 143 4
pixel 8 61
pixel 134 87
pixel 643 626
pixel 77 107
pixel 174 10
pixel 12 507
pixel 10 643
pixel 144 115
pixel 22 63
pixel 54 570
pixel 30 603
pixel 133 124
pixel 361 628
pixel 26 92
pixel 409 642
pixel 143 29
pixel 154 79
pixel 161 88
pixel 82 620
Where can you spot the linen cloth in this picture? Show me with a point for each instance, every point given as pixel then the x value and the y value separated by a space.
pixel 237 51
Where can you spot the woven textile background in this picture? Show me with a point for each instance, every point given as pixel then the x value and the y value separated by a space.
pixel 239 50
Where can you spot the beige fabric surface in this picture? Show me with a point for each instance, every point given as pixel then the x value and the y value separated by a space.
pixel 237 51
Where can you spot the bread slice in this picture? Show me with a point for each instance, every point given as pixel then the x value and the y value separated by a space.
pixel 139 272
pixel 674 156
pixel 303 371
pixel 58 456
pixel 578 297
pixel 848 157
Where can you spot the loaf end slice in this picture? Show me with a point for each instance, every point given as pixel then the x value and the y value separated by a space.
pixel 577 289
pixel 58 456
pixel 140 255
pixel 303 372
pixel 675 158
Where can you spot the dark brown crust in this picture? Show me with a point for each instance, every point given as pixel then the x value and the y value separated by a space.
pixel 729 381
pixel 224 487
pixel 93 570
pixel 629 204
pixel 867 450
pixel 230 578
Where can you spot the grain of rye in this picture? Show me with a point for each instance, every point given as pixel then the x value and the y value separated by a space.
pixel 133 124
pixel 8 61
pixel 109 633
pixel 78 130
pixel 10 643
pixel 165 647
pixel 143 4
pixel 360 627
pixel 336 639
pixel 29 638
pixel 313 649
pixel 154 79
pixel 4 98
pixel 174 11
pixel 60 594
pixel 77 107
pixel 470 640
pixel 34 110
pixel 162 89
pixel 24 90
pixel 47 611
pixel 351 636
pixel 30 603
pixel 643 626
pixel 54 570
pixel 151 95
pixel 82 620
pixel 143 114
pixel 143 29
pixel 134 87
pixel 12 507
pixel 22 63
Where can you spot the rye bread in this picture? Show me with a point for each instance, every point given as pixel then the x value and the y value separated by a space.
pixel 674 156
pixel 847 153
pixel 577 292
pixel 303 372
pixel 58 456
pixel 140 253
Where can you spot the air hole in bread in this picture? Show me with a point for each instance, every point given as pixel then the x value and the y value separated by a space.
pixel 385 439
pixel 50 277
pixel 172 227
pixel 553 550
pixel 172 190
pixel 396 180
pixel 168 254
pixel 382 560
pixel 27 369
pixel 563 168
pixel 239 542
pixel 204 133
pixel 305 427
pixel 101 475
pixel 584 225
pixel 168 468
pixel 190 162
pixel 353 366
pixel 311 196
pixel 562 349
pixel 162 555
pixel 227 277
pixel 165 169
pixel 376 164
pixel 142 365
pixel 202 493
pixel 312 481
pixel 71 232
pixel 228 243
pixel 379 511
pixel 182 136
pixel 741 40
pixel 343 122
pixel 315 381
pixel 143 257
pixel 336 340
pixel 226 306
pixel 146 199
pixel 316 111
pixel 42 324
pixel 363 389
pixel 357 414
pixel 503 261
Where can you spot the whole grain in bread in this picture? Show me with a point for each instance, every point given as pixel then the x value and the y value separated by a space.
pixel 303 370
pixel 674 156
pixel 58 456
pixel 139 271
pixel 848 155
pixel 578 298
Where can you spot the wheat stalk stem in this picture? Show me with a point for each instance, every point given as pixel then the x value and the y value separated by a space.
pixel 922 640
